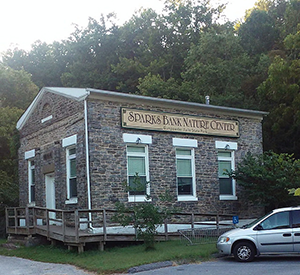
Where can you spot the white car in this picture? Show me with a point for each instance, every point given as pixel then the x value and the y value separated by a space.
pixel 276 232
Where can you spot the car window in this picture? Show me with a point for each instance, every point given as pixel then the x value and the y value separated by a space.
pixel 296 218
pixel 277 221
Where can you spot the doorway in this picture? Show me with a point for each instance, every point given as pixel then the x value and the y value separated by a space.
pixel 50 195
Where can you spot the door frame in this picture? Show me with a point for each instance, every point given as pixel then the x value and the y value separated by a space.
pixel 50 195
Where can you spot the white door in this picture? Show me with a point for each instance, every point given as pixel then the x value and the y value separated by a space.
pixel 50 195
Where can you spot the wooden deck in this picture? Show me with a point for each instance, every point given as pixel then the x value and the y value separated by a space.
pixel 76 228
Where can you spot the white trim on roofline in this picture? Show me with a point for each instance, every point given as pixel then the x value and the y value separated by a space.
pixel 78 94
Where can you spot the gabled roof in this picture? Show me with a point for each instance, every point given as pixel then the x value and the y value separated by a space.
pixel 80 94
pixel 72 93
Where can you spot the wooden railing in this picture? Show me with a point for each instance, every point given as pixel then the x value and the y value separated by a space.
pixel 27 220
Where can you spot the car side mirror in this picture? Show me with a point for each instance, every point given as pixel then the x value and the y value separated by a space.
pixel 258 227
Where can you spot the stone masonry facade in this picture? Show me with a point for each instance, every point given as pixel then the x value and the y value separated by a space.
pixel 50 156
pixel 107 155
pixel 108 161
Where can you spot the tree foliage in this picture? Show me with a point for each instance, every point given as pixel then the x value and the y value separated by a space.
pixel 145 216
pixel 267 178
pixel 258 33
pixel 16 93
pixel 280 95
pixel 17 89
pixel 218 56
pixel 8 157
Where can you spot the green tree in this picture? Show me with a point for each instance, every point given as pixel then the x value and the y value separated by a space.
pixel 146 216
pixel 158 44
pixel 16 88
pixel 267 178
pixel 154 85
pixel 291 18
pixel 217 66
pixel 280 95
pixel 258 34
pixel 16 93
pixel 45 62
pixel 9 187
pixel 90 53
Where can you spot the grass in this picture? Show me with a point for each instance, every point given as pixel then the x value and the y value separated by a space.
pixel 117 259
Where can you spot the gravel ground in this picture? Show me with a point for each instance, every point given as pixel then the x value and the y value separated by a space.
pixel 19 266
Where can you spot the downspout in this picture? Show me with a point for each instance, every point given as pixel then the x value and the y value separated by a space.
pixel 87 159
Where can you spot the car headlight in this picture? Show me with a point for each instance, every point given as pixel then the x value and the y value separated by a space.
pixel 223 239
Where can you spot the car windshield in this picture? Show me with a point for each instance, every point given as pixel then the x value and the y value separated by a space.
pixel 248 225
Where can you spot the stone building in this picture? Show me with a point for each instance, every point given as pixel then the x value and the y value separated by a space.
pixel 79 146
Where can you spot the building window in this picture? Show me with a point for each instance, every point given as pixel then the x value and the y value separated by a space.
pixel 70 144
pixel 71 173
pixel 185 168
pixel 31 181
pixel 29 157
pixel 138 171
pixel 226 162
pixel 185 164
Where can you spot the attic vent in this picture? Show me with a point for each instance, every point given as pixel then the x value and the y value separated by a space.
pixel 46 119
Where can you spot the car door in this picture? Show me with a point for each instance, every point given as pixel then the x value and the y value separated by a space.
pixel 275 233
pixel 296 229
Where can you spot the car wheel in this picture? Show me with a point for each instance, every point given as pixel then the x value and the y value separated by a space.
pixel 244 252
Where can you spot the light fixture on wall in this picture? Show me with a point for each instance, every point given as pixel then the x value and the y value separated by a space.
pixel 227 147
pixel 207 100
pixel 138 141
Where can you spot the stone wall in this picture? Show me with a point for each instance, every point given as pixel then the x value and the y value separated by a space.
pixel 108 167
pixel 50 156
pixel 108 160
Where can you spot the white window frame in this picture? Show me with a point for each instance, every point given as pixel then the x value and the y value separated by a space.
pixel 69 143
pixel 70 157
pixel 188 144
pixel 31 170
pixel 145 155
pixel 224 146
pixel 29 156
pixel 144 141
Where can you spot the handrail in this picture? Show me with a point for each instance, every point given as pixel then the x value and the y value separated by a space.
pixel 32 214
pixel 114 210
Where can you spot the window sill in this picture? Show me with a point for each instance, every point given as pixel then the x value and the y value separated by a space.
pixel 227 198
pixel 71 201
pixel 187 198
pixel 138 199
pixel 30 204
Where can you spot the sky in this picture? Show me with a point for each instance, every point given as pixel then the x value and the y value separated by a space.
pixel 22 22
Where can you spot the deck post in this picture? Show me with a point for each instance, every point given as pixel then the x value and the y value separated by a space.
pixel 104 224
pixel 166 229
pixel 48 223
pixel 193 224
pixel 218 224
pixel 27 218
pixel 63 225
pixel 101 246
pixel 16 219
pixel 76 225
pixel 6 219
pixel 193 220
pixel 80 248
pixel 34 218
